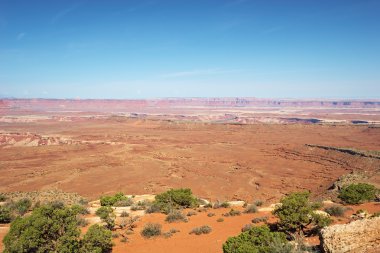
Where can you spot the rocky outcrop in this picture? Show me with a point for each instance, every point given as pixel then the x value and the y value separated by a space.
pixel 358 237
pixel 347 179
pixel 32 140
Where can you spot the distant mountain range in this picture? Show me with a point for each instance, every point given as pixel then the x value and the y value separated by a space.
pixel 118 104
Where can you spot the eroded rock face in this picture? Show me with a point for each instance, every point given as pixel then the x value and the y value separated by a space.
pixel 358 236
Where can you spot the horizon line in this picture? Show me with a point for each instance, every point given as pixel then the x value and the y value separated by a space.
pixel 192 97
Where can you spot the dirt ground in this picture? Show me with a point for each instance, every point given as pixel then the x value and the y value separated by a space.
pixel 183 241
pixel 217 161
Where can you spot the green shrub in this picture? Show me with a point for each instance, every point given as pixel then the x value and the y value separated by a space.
pixel 220 220
pixel 358 193
pixel 175 216
pixel 337 211
pixel 54 228
pixel 5 215
pixel 175 199
pixel 151 230
pixel 321 220
pixel 80 209
pixel 257 240
pixel 251 209
pixel 201 230
pixel 97 239
pixel 48 229
pixel 106 214
pixel 296 212
pixel 118 199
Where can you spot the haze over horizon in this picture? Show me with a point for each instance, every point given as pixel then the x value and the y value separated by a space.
pixel 156 49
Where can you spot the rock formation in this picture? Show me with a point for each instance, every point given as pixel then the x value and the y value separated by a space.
pixel 359 236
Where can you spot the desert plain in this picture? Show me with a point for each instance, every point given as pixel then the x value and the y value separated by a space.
pixel 223 150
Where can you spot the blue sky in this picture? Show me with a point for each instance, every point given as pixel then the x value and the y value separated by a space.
pixel 194 48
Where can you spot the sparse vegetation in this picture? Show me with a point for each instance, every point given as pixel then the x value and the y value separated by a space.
pixel 258 203
pixel 191 213
pixel 358 193
pixel 21 206
pixel 320 220
pixel 119 199
pixel 175 216
pixel 221 205
pixel 337 211
pixel 170 232
pixel 251 209
pixel 175 199
pixel 154 208
pixel 106 214
pixel 80 209
pixel 232 212
pixel 167 235
pixel 260 219
pixel 257 239
pixel 174 230
pixel 2 197
pixel 124 202
pixel 208 205
pixel 151 230
pixel 137 207
pixel 220 220
pixel 124 214
pixel 246 227
pixel 201 230
pixel 81 221
pixel 211 214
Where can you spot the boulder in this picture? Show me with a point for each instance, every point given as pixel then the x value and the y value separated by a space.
pixel 358 237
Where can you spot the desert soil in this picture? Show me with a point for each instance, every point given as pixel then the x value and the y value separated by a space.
pixel 217 161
